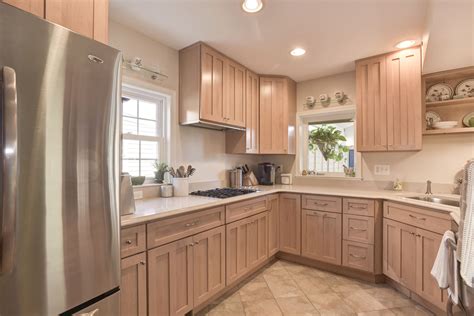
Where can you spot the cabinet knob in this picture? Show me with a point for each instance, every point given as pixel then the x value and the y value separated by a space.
pixel 142 263
pixel 196 242
pixel 191 244
pixel 128 242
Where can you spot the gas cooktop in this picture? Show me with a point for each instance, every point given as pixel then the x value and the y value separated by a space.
pixel 223 193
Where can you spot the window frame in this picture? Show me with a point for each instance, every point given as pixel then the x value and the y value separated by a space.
pixel 162 118
pixel 321 115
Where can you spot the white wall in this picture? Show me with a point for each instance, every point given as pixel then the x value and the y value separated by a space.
pixel 204 149
pixel 440 159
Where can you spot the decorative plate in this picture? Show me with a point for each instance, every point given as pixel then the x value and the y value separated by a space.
pixel 445 124
pixel 465 88
pixel 467 118
pixel 439 92
pixel 431 118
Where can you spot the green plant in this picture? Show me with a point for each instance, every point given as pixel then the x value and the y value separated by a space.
pixel 329 140
pixel 160 170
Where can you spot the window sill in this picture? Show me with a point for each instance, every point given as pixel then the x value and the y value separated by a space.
pixel 148 185
pixel 329 177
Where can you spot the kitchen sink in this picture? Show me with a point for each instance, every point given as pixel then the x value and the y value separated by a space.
pixel 436 199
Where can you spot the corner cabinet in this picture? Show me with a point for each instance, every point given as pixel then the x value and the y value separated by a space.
pixel 277 115
pixel 290 223
pixel 87 17
pixel 389 102
pixel 212 88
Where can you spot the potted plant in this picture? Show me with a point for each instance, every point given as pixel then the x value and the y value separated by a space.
pixel 160 170
pixel 329 140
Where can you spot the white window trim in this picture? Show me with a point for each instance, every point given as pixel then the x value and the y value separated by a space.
pixel 320 115
pixel 134 90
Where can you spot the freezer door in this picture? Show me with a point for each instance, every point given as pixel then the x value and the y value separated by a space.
pixel 109 306
pixel 59 221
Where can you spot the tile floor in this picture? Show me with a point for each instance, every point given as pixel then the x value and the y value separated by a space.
pixel 286 288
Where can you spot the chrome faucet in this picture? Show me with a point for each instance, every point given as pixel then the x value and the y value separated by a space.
pixel 428 187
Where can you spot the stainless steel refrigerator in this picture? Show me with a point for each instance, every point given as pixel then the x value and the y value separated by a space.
pixel 59 220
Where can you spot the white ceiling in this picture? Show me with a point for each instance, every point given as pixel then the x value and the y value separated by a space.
pixel 333 32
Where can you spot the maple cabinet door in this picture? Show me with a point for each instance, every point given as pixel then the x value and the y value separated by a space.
pixel 133 288
pixel 170 278
pixel 273 225
pixel 404 103
pixel 212 85
pixel 371 90
pixel 408 256
pixel 234 105
pixel 290 223
pixel 35 7
pixel 391 249
pixel 209 264
pixel 252 114
pixel 272 115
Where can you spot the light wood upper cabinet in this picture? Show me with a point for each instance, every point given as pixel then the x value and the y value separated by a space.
pixel 212 88
pixel 371 90
pixel 277 115
pixel 239 142
pixel 208 264
pixel 290 223
pixel 273 224
pixel 234 107
pixel 389 104
pixel 86 17
pixel 322 236
pixel 133 286
pixel 170 278
pixel 33 6
pixel 404 107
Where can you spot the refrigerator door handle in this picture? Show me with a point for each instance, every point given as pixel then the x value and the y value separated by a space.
pixel 8 171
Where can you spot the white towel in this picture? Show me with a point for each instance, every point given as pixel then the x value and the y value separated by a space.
pixel 445 267
pixel 467 249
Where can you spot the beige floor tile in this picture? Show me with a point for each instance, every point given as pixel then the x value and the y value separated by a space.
pixel 229 309
pixel 411 311
pixel 262 308
pixel 330 304
pixel 255 291
pixel 361 301
pixel 384 312
pixel 298 305
pixel 283 287
pixel 311 285
pixel 390 298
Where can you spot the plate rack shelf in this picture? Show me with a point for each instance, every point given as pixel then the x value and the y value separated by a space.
pixel 449 110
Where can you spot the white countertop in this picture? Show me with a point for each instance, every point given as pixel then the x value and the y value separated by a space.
pixel 157 208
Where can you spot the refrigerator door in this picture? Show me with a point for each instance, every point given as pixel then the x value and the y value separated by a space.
pixel 59 242
pixel 109 306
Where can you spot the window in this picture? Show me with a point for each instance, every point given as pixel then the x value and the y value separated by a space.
pixel 332 147
pixel 326 142
pixel 144 126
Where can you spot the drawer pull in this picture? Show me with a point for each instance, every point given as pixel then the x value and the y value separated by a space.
pixel 357 257
pixel 361 229
pixel 320 204
pixel 363 207
pixel 313 214
pixel 128 242
pixel 191 224
pixel 417 218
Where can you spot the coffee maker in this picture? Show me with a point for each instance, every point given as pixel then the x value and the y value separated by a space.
pixel 266 173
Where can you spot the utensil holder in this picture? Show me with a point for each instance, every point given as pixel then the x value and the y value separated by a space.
pixel 181 186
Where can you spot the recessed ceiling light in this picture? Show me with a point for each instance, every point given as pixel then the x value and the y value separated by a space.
pixel 406 44
pixel 252 6
pixel 298 52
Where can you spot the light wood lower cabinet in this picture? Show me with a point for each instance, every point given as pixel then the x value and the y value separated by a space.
pixel 290 223
pixel 246 245
pixel 322 236
pixel 133 288
pixel 208 264
pixel 273 224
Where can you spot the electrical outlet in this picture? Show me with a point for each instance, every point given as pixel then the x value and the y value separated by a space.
pixel 382 170
pixel 138 195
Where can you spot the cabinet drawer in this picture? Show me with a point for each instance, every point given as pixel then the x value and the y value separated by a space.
pixel 132 240
pixel 236 211
pixel 359 207
pixel 358 256
pixel 168 230
pixel 358 228
pixel 423 218
pixel 322 203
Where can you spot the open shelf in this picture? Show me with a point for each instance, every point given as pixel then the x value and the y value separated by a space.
pixel 456 130
pixel 451 102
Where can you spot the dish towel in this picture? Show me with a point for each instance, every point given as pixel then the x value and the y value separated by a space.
pixel 445 268
pixel 467 225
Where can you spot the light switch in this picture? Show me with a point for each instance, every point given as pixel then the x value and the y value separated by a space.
pixel 138 195
pixel 382 170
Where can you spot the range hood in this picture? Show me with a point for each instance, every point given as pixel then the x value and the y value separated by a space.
pixel 213 126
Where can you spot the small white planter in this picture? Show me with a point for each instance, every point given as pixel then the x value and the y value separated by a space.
pixel 181 186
